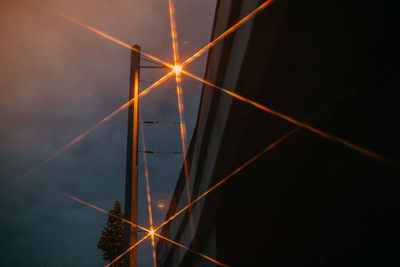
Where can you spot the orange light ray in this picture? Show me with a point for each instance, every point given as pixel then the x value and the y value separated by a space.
pixel 216 185
pixel 88 131
pixel 146 174
pixel 174 33
pixel 296 122
pixel 193 251
pixel 178 69
pixel 104 211
pixel 115 40
pixel 182 126
pixel 227 32
pixel 183 137
pixel 128 250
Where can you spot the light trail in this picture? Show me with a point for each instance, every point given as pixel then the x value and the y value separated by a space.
pixel 146 174
pixel 174 33
pixel 128 250
pixel 219 183
pixel 193 251
pixel 228 31
pixel 85 133
pixel 92 29
pixel 178 69
pixel 333 138
pixel 104 211
pixel 151 232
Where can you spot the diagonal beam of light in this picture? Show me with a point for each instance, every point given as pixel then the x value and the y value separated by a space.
pixel 333 138
pixel 174 33
pixel 140 227
pixel 193 251
pixel 88 131
pixel 128 250
pixel 218 184
pixel 228 31
pixel 146 174
pixel 104 211
pixel 92 29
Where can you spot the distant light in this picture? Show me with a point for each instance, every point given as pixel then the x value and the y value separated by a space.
pixel 160 205
pixel 177 68
pixel 185 42
pixel 151 232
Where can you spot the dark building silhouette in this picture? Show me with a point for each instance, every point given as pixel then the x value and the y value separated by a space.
pixel 308 201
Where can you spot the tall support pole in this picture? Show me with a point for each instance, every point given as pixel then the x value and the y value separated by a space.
pixel 131 184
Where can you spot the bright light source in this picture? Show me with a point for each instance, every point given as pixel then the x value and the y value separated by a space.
pixel 151 232
pixel 177 68
pixel 160 205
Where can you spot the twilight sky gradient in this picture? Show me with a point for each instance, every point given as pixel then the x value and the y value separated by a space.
pixel 59 79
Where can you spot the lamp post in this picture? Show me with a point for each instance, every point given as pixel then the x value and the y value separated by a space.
pixel 131 182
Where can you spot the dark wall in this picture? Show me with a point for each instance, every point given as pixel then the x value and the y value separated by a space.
pixel 309 201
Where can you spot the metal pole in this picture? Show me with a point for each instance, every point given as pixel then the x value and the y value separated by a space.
pixel 131 182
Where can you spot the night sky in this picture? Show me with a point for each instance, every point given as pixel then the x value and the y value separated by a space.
pixel 57 80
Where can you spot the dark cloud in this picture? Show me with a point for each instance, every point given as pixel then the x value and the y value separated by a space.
pixel 58 79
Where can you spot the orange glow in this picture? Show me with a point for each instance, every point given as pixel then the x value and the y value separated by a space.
pixel 160 205
pixel 227 32
pixel 193 251
pixel 85 133
pixel 177 68
pixel 296 122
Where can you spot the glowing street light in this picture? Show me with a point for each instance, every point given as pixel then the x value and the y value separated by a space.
pixel 177 68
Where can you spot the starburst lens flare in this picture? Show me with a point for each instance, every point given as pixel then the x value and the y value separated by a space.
pixel 151 231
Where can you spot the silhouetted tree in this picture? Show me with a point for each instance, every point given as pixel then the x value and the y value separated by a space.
pixel 110 241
